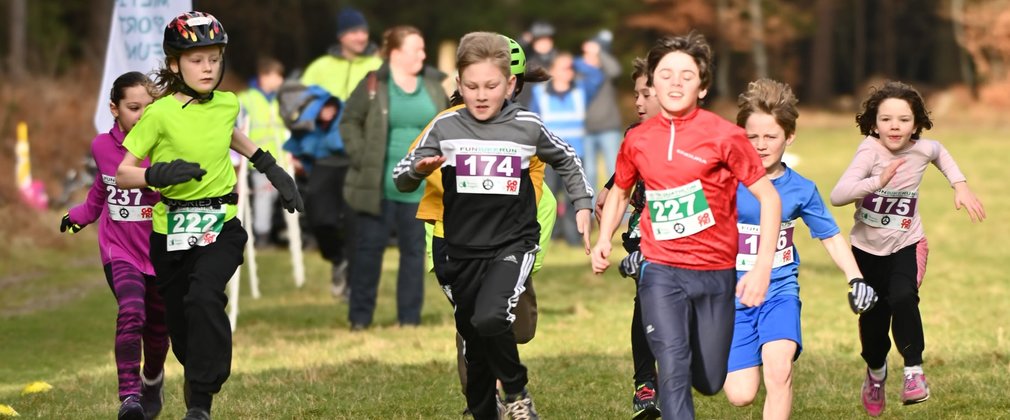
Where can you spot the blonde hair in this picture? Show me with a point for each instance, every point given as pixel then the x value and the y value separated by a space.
pixel 769 97
pixel 477 47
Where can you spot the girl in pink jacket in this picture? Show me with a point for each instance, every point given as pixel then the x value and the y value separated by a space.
pixel 124 229
pixel 887 239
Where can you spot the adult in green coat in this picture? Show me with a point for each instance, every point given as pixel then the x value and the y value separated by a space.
pixel 384 114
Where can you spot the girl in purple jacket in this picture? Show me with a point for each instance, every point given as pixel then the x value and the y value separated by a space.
pixel 124 226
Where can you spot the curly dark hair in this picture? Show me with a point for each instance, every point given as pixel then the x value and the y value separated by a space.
pixel 867 120
pixel 692 44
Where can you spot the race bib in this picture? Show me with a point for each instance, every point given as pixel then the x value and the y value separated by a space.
pixel 889 209
pixel 489 173
pixel 678 212
pixel 747 247
pixel 124 205
pixel 194 226
pixel 634 224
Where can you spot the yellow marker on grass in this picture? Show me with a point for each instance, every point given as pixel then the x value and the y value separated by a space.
pixel 8 411
pixel 36 388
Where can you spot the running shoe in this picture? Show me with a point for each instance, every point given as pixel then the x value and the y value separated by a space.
pixel 873 395
pixel 502 411
pixel 643 405
pixel 521 408
pixel 916 390
pixel 152 393
pixel 338 281
pixel 131 409
pixel 197 413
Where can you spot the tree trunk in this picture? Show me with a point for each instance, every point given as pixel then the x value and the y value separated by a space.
pixel 821 77
pixel 957 24
pixel 723 52
pixel 859 44
pixel 100 19
pixel 757 31
pixel 887 53
pixel 18 26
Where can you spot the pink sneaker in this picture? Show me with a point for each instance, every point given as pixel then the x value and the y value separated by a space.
pixel 873 395
pixel 916 390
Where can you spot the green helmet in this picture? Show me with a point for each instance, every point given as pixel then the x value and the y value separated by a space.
pixel 518 61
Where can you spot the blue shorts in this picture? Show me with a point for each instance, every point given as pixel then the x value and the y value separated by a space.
pixel 775 319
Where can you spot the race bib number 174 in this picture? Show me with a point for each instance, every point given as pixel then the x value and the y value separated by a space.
pixel 488 174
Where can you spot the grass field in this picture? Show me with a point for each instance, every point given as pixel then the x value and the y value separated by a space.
pixel 294 356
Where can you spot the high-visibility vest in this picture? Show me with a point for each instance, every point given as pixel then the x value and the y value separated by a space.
pixel 266 128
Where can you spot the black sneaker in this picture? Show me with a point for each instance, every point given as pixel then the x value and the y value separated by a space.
pixel 151 395
pixel 197 413
pixel 520 407
pixel 643 405
pixel 130 409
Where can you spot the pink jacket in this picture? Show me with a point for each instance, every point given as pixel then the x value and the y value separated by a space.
pixel 887 216
pixel 124 216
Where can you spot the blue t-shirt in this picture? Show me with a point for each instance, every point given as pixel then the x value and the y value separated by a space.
pixel 800 200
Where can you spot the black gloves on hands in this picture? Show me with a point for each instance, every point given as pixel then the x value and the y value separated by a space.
pixel 862 297
pixel 630 264
pixel 163 174
pixel 67 224
pixel 285 185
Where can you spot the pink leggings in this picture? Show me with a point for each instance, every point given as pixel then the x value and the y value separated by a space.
pixel 140 324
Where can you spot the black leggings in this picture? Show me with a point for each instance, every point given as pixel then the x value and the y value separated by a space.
pixel 893 277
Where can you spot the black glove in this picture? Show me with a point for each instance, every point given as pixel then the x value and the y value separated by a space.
pixel 630 264
pixel 163 174
pixel 285 185
pixel 67 224
pixel 862 297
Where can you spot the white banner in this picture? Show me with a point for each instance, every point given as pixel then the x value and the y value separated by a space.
pixel 135 37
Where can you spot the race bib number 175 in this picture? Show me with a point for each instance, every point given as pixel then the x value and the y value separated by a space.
pixel 889 209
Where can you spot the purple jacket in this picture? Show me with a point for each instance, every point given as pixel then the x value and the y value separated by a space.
pixel 124 216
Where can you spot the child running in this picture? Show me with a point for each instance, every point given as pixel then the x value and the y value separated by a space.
pixel 690 161
pixel 767 337
pixel 888 240
pixel 430 210
pixel 491 230
pixel 197 243
pixel 643 403
pixel 124 226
